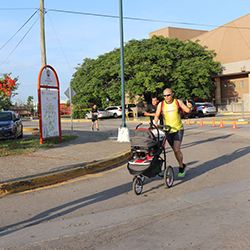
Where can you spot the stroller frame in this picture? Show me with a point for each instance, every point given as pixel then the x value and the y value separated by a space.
pixel 151 161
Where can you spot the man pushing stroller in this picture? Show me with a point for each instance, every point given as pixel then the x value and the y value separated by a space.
pixel 169 108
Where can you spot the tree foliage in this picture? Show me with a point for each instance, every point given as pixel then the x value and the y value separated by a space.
pixel 7 88
pixel 150 66
pixel 30 99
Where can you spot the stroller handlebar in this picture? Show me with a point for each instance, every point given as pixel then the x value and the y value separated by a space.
pixel 164 128
pixel 167 128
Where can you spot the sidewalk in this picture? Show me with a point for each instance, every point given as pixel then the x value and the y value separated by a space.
pixel 90 152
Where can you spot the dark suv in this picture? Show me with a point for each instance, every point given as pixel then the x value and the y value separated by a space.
pixel 194 110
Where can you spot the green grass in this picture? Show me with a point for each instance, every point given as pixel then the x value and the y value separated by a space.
pixel 29 145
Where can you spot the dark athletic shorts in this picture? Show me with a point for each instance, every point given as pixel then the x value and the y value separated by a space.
pixel 177 136
pixel 94 118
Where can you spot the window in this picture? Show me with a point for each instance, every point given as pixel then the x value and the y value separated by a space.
pixel 226 85
pixel 242 84
pixel 234 85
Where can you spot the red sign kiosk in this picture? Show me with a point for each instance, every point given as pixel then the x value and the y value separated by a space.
pixel 49 104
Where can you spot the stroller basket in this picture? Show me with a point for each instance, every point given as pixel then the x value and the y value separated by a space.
pixel 148 168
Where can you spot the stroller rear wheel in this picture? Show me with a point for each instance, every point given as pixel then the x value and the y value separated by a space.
pixel 169 176
pixel 137 185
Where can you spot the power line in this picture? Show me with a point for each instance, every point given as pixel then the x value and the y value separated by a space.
pixel 128 18
pixel 131 18
pixel 144 19
pixel 19 42
pixel 60 44
pixel 18 8
pixel 19 30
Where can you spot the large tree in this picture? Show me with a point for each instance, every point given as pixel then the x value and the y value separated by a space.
pixel 150 65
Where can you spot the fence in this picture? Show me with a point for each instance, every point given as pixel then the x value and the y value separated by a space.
pixel 235 104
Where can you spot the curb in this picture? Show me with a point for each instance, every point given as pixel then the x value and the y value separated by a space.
pixel 217 122
pixel 53 178
pixel 29 129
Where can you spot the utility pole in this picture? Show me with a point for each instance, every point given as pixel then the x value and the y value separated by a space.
pixel 42 34
pixel 123 131
pixel 122 64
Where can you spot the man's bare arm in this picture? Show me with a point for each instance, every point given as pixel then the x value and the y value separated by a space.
pixel 149 114
pixel 157 114
pixel 187 108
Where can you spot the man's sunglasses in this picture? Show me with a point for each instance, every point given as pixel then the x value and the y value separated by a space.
pixel 167 95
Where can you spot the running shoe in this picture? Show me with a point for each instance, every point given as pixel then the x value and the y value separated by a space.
pixel 92 129
pixel 182 171
pixel 97 129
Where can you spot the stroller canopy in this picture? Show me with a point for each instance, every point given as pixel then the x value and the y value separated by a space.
pixel 144 138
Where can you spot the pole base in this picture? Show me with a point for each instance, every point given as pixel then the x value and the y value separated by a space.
pixel 123 135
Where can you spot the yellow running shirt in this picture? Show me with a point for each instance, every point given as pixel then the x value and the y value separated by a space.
pixel 171 115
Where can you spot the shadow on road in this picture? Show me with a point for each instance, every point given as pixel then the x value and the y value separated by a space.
pixel 66 208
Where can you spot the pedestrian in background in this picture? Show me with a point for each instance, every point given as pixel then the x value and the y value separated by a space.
pixel 151 110
pixel 94 113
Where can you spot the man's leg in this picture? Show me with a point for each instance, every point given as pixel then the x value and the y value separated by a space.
pixel 176 146
pixel 178 154
pixel 97 128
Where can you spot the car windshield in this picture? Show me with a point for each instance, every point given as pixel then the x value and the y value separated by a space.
pixel 208 105
pixel 5 117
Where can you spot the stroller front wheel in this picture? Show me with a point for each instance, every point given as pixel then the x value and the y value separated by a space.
pixel 137 185
pixel 169 176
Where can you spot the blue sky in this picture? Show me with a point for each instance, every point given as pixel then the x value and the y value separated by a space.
pixel 72 37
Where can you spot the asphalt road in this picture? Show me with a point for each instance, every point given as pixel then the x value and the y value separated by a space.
pixel 208 209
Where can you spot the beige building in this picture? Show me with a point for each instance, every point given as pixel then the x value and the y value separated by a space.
pixel 231 43
pixel 181 34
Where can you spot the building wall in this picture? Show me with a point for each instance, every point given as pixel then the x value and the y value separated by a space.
pixel 231 41
pixel 181 34
pixel 64 109
pixel 233 88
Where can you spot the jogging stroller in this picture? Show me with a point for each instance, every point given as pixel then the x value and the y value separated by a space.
pixel 149 156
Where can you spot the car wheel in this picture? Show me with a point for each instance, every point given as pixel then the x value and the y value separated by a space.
pixel 86 117
pixel 21 135
pixel 200 114
pixel 115 115
pixel 15 134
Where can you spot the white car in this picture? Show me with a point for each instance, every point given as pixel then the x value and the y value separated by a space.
pixel 101 114
pixel 205 109
pixel 114 111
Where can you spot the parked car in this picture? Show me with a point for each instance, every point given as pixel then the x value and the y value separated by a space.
pixel 114 111
pixel 102 113
pixel 194 110
pixel 10 125
pixel 206 109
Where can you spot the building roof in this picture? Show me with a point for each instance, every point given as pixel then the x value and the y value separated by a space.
pixel 180 33
pixel 231 41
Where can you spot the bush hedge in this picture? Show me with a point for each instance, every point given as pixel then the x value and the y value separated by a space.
pixel 79 112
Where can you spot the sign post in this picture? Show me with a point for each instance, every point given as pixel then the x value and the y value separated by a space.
pixel 49 104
